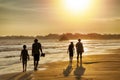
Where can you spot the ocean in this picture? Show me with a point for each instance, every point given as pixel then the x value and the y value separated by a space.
pixel 55 50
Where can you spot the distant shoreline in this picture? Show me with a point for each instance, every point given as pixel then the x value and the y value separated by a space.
pixel 68 35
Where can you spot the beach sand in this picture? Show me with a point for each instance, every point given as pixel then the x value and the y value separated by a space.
pixel 94 67
pixel 17 76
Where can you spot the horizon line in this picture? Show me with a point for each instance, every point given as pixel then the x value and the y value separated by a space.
pixel 59 34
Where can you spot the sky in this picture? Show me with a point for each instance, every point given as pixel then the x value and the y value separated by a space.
pixel 41 17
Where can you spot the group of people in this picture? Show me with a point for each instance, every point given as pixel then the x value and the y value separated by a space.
pixel 79 50
pixel 37 49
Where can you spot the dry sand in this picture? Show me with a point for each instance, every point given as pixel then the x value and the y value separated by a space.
pixel 94 67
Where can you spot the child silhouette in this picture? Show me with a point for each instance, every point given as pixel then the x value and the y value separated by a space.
pixel 24 57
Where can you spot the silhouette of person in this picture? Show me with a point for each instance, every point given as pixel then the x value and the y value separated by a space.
pixel 24 56
pixel 36 46
pixel 71 51
pixel 79 49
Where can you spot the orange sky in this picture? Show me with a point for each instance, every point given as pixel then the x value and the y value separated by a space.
pixel 34 17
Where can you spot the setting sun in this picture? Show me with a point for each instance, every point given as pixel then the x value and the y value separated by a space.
pixel 77 5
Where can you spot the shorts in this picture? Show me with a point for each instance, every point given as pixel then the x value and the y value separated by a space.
pixel 71 54
pixel 36 57
pixel 79 53
pixel 24 61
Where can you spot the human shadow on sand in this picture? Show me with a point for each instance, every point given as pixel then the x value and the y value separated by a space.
pixel 68 70
pixel 79 71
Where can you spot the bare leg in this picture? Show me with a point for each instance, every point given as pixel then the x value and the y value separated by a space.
pixel 80 59
pixel 34 62
pixel 34 65
pixel 37 64
pixel 23 65
pixel 81 56
pixel 77 57
pixel 71 59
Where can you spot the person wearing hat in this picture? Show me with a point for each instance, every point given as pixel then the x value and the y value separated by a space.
pixel 36 46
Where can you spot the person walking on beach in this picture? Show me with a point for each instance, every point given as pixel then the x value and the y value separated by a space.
pixel 36 46
pixel 24 56
pixel 79 49
pixel 71 51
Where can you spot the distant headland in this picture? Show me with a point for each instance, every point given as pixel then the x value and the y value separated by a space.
pixel 67 36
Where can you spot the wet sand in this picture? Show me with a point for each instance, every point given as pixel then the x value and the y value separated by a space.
pixel 17 76
pixel 97 67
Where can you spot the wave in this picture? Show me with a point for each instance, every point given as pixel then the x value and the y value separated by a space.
pixel 17 48
pixel 7 49
pixel 10 56
pixel 116 51
pixel 53 47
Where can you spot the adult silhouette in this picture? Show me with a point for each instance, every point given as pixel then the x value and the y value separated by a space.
pixel 71 52
pixel 36 48
pixel 79 49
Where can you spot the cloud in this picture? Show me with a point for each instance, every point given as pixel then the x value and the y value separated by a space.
pixel 46 16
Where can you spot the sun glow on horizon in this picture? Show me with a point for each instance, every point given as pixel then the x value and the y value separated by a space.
pixel 77 6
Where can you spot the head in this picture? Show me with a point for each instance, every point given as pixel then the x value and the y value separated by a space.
pixel 71 42
pixel 79 40
pixel 24 46
pixel 36 40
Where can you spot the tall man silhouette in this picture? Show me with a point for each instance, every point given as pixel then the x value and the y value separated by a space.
pixel 79 49
pixel 36 46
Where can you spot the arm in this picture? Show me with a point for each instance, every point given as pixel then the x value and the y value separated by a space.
pixel 76 46
pixel 73 49
pixel 32 51
pixel 68 50
pixel 28 56
pixel 20 55
pixel 82 48
pixel 41 48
